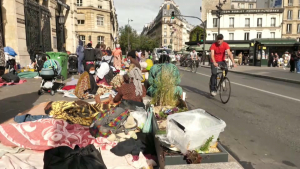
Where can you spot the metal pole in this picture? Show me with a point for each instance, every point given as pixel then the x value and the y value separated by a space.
pixel 219 19
pixel 204 42
pixel 128 36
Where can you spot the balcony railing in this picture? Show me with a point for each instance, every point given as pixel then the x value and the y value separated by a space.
pixel 215 25
pixel 231 26
pixel 289 18
pixel 290 4
pixel 247 25
pixel 272 25
pixel 259 25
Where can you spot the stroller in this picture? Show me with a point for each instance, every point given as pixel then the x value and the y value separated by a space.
pixel 40 60
pixel 49 73
pixel 73 64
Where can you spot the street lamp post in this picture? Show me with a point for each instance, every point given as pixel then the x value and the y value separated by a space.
pixel 61 21
pixel 219 13
pixel 129 20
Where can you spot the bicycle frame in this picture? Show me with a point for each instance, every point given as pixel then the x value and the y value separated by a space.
pixel 221 79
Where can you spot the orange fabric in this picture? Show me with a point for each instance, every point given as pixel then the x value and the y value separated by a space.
pixel 117 53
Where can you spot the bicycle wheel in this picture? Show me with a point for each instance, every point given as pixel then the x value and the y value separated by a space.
pixel 225 90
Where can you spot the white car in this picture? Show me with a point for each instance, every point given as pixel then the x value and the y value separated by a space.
pixel 158 51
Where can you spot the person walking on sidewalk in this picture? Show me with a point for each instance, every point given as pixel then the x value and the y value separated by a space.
pixel 80 54
pixel 298 62
pixel 218 50
pixel 271 59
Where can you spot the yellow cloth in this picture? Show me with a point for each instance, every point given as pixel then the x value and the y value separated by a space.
pixel 149 64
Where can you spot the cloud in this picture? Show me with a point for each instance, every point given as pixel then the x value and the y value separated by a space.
pixel 144 11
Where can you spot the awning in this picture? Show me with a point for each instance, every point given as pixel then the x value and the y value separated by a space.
pixel 239 46
pixel 277 41
pixel 199 48
pixel 81 16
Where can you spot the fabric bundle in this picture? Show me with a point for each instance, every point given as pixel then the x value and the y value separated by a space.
pixel 137 77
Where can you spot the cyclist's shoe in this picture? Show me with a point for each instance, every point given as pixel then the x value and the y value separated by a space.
pixel 213 93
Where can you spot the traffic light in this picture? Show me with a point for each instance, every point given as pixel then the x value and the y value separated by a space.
pixel 172 15
pixel 202 38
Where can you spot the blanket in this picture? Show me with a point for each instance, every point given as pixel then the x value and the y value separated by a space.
pixel 48 133
pixel 3 83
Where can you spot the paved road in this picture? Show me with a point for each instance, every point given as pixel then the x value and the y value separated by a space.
pixel 262 117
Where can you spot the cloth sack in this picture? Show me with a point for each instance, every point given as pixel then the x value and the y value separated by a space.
pixel 11 77
pixel 80 158
pixel 109 122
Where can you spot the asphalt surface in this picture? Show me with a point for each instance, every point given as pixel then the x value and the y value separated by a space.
pixel 262 118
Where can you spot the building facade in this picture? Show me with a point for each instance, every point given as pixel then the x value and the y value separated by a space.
pixel 243 4
pixel 29 26
pixel 291 19
pixel 172 33
pixel 246 24
pixel 97 22
pixel 208 5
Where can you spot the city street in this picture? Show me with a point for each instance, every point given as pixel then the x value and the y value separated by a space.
pixel 262 118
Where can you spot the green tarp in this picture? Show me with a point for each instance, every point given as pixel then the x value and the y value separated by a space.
pixel 28 75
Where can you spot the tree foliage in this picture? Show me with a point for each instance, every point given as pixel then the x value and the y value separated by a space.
pixel 193 34
pixel 136 42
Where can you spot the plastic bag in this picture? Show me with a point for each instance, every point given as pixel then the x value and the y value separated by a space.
pixel 148 125
pixel 190 130
pixel 140 115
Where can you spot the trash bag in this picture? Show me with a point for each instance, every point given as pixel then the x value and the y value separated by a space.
pixel 148 124
pixel 190 130
pixel 140 115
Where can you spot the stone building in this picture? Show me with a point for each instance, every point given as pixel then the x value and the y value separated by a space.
pixel 208 5
pixel 172 33
pixel 33 25
pixel 291 19
pixel 243 4
pixel 97 22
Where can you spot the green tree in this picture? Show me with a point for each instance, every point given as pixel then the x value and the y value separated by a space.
pixel 193 34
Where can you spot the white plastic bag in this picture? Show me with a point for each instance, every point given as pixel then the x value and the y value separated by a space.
pixel 190 130
pixel 140 115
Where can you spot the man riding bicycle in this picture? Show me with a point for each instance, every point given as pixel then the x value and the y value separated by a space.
pixel 194 56
pixel 218 50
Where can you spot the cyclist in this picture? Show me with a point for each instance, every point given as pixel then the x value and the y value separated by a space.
pixel 218 50
pixel 194 56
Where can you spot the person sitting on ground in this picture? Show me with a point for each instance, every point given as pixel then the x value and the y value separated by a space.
pixel 86 85
pixel 156 73
pixel 132 57
pixel 133 91
pixel 104 74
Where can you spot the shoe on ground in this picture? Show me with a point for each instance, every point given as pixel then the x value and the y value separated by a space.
pixel 213 93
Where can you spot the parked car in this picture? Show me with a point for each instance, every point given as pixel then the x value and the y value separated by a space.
pixel 158 51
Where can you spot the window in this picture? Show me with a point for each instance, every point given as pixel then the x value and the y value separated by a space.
pixel 290 2
pixel 231 36
pixel 165 34
pixel 215 22
pixel 246 36
pixel 80 22
pixel 99 6
pixel 79 2
pixel 273 22
pixel 231 22
pixel 290 15
pixel 299 13
pixel 247 22
pixel 289 28
pixel 258 35
pixel 82 38
pixel 272 34
pixel 100 39
pixel 165 41
pixel 215 36
pixel 100 20
pixel 298 28
pixel 259 22
pixel 171 41
pixel 242 6
pixel 250 6
pixel 165 27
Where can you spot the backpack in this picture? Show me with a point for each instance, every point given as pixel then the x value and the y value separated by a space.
pixel 110 75
pixel 11 77
pixel 109 122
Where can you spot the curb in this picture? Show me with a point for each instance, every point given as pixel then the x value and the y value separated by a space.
pixel 262 76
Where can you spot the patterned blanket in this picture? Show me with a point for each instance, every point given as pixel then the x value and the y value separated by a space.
pixel 48 133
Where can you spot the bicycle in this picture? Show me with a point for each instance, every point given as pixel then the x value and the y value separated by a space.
pixel 223 85
pixel 194 66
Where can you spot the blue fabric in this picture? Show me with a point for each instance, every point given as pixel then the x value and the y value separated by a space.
pixel 10 51
pixel 28 117
pixel 298 66
pixel 49 63
pixel 80 54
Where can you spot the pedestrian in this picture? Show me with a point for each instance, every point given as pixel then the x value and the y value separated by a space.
pixel 276 58
pixel 240 57
pixel 293 62
pixel 89 55
pixel 298 62
pixel 103 49
pixel 117 53
pixel 271 59
pixel 108 58
pixel 98 52
pixel 80 54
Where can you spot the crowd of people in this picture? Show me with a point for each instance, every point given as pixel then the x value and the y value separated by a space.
pixel 290 60
pixel 100 68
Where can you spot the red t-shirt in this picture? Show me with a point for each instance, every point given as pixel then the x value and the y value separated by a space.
pixel 219 50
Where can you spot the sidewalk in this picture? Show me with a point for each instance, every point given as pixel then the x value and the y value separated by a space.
pixel 273 73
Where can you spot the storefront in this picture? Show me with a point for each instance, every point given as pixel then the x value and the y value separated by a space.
pixel 260 49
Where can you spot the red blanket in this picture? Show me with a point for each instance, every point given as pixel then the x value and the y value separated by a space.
pixel 69 87
pixel 2 82
pixel 45 134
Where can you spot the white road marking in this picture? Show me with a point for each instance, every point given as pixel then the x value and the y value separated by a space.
pixel 253 88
